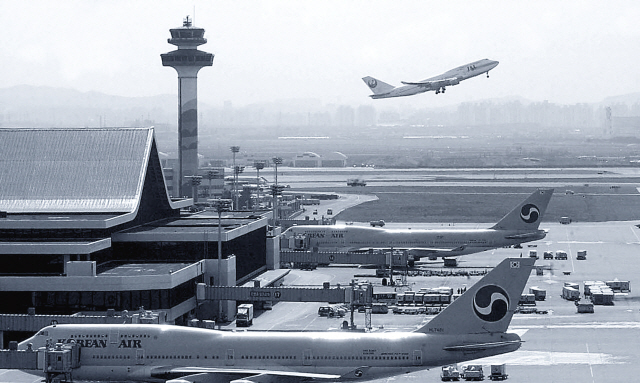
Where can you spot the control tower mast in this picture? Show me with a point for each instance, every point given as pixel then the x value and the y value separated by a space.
pixel 187 61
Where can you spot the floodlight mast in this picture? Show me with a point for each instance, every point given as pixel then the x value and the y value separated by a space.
pixel 276 190
pixel 259 166
pixel 234 150
pixel 220 205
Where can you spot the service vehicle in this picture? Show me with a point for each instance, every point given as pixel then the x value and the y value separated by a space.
pixel 565 220
pixel 548 255
pixel 450 373
pixel 376 308
pixel 561 254
pixel 533 254
pixel 582 255
pixel 498 372
pixel 473 372
pixel 377 223
pixel 538 293
pixel 356 182
pixel 331 312
pixel 244 317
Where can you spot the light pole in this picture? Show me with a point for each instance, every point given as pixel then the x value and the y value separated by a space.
pixel 211 174
pixel 234 150
pixel 220 205
pixel 195 181
pixel 276 161
pixel 259 166
pixel 237 170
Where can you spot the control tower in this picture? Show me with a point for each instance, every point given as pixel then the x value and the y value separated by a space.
pixel 187 61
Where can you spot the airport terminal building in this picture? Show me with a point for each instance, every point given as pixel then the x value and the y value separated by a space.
pixel 86 224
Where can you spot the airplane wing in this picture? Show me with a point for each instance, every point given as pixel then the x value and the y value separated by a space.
pixel 213 374
pixel 435 83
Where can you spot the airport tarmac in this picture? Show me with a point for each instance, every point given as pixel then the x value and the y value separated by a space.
pixel 560 346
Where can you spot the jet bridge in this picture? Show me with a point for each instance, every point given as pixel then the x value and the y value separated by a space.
pixel 56 361
pixel 336 294
pixel 370 257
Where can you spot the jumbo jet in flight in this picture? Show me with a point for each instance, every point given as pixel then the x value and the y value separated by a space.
pixel 518 226
pixel 438 83
pixel 471 327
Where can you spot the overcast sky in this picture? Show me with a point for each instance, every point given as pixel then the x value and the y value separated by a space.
pixel 561 51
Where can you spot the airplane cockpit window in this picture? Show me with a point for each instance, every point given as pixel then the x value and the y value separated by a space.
pixel 44 333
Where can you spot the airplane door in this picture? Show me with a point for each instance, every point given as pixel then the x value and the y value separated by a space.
pixel 230 360
pixel 306 357
pixel 114 336
pixel 417 357
pixel 139 356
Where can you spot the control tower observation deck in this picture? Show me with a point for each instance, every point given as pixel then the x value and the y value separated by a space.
pixel 187 61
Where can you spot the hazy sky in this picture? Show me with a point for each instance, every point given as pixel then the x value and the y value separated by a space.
pixel 561 51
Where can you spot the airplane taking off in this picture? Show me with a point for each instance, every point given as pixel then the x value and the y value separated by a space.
pixel 471 327
pixel 438 83
pixel 518 226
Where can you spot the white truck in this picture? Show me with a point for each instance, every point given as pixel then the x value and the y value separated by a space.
pixel 244 317
pixel 473 372
pixel 450 373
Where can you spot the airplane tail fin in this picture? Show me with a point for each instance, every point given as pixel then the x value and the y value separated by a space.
pixel 377 86
pixel 528 214
pixel 487 306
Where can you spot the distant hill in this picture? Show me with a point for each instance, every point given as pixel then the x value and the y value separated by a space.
pixel 629 99
pixel 39 106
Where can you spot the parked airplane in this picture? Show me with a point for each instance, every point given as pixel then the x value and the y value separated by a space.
pixel 518 226
pixel 473 326
pixel 438 83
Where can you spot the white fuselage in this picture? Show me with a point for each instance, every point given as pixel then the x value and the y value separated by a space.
pixel 354 238
pixel 460 73
pixel 149 352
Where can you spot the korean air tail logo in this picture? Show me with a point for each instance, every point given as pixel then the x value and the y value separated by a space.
pixel 529 213
pixel 491 303
pixel 372 83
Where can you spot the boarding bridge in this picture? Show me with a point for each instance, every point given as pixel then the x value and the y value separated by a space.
pixel 350 294
pixel 33 322
pixel 56 361
pixel 372 257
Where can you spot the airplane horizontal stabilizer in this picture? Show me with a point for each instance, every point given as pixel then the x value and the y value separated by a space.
pixel 482 346
pixel 534 235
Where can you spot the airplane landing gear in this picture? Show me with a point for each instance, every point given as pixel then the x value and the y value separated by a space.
pixel 443 89
pixel 487 74
pixel 437 91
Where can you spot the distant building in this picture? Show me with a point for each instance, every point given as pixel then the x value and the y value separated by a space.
pixel 307 160
pixel 314 160
pixel 334 160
